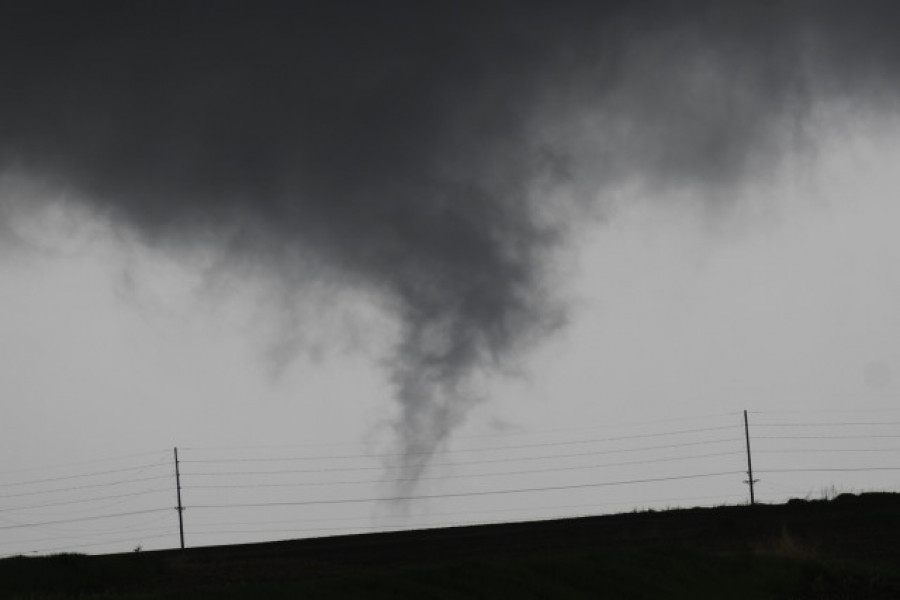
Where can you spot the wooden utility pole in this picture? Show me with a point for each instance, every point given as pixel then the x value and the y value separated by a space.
pixel 750 481
pixel 179 508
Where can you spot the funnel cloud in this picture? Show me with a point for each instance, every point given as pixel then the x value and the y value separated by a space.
pixel 434 154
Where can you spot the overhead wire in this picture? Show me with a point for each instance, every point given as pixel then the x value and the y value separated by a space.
pixel 492 435
pixel 611 426
pixel 827 469
pixel 95 544
pixel 824 437
pixel 94 518
pixel 831 424
pixel 463 450
pixel 81 501
pixel 794 430
pixel 808 412
pixel 138 526
pixel 823 450
pixel 466 475
pixel 93 531
pixel 405 527
pixel 463 463
pixel 467 494
pixel 83 462
pixel 155 530
pixel 85 487
pixel 85 475
pixel 200 529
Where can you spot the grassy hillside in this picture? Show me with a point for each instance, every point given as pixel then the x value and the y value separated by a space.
pixel 844 548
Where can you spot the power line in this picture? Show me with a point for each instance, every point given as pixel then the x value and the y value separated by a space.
pixel 85 487
pixel 824 437
pixel 831 469
pixel 201 529
pixel 85 475
pixel 403 527
pixel 868 411
pixel 468 494
pixel 94 518
pixel 829 424
pixel 471 436
pixel 618 425
pixel 618 451
pixel 459 476
pixel 463 463
pixel 83 462
pixel 134 531
pixel 83 500
pixel 94 532
pixel 95 544
pixel 134 526
pixel 459 451
pixel 817 450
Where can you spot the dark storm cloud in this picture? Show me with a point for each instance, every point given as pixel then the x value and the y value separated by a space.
pixel 411 147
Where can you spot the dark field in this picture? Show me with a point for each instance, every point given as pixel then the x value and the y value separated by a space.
pixel 844 548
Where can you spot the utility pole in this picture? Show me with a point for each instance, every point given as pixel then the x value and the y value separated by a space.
pixel 750 481
pixel 179 508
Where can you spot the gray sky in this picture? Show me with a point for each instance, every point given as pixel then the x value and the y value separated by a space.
pixel 396 227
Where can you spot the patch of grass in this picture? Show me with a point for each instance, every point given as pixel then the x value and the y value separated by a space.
pixel 785 545
pixel 845 548
pixel 74 575
pixel 662 572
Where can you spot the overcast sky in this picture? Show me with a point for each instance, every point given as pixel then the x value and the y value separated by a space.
pixel 415 230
